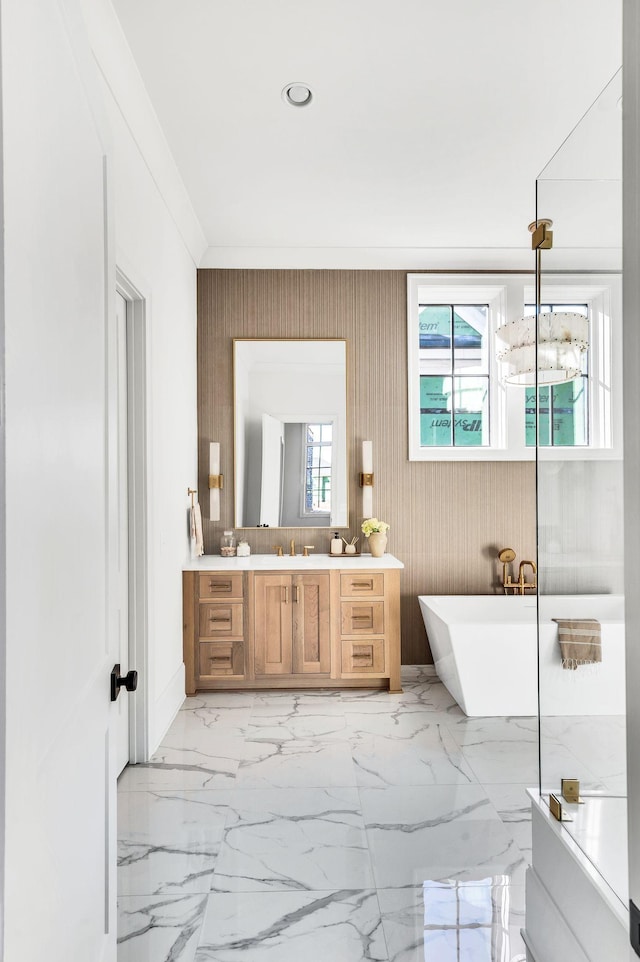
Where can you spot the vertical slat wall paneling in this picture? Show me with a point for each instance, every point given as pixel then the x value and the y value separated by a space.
pixel 448 520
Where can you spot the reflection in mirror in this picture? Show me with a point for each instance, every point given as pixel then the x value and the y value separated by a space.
pixel 290 433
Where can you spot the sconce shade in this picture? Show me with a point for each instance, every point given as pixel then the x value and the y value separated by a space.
pixel 563 337
pixel 214 489
pixel 367 485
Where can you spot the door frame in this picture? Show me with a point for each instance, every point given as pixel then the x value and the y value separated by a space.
pixel 137 460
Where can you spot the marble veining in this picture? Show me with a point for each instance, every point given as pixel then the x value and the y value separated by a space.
pixel 342 925
pixel 294 839
pixel 159 929
pixel 344 825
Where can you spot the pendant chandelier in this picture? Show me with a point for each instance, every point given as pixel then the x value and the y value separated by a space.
pixel 563 337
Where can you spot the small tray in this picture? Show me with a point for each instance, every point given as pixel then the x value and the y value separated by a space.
pixel 343 554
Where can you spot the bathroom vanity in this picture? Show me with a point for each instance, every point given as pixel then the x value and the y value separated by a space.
pixel 292 622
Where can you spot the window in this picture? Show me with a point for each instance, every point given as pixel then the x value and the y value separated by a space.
pixel 459 406
pixel 317 468
pixel 454 376
pixel 563 409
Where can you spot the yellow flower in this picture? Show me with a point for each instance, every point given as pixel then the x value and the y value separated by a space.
pixel 371 525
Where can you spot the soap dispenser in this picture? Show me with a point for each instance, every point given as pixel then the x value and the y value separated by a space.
pixel 336 544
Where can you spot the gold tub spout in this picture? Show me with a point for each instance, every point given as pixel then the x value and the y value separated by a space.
pixel 525 585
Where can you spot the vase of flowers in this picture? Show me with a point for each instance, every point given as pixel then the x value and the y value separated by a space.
pixel 376 532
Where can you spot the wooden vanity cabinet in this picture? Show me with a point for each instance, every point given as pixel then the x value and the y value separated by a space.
pixel 292 628
pixel 286 629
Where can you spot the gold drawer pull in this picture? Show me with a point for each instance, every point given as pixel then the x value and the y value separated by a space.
pixel 368 585
pixel 297 597
pixel 286 594
pixel 362 655
pixel 222 659
pixel 219 586
pixel 366 618
pixel 223 618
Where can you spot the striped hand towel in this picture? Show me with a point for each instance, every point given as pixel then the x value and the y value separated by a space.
pixel 580 641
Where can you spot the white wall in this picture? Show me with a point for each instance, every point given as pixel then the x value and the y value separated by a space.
pixel 156 239
pixel 153 256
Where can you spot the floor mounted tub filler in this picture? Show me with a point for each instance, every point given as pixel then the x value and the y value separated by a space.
pixel 485 652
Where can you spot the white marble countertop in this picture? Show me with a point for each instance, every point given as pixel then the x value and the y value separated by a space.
pixel 271 562
pixel 597 839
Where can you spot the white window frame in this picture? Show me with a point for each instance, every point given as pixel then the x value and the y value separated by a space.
pixel 304 512
pixel 506 295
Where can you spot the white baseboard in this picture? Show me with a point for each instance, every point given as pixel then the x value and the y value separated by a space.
pixel 165 708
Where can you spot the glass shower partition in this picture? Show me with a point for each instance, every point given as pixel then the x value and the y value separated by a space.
pixel 576 425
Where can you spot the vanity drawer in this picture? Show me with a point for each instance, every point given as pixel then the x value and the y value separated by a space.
pixel 221 621
pixel 363 617
pixel 353 585
pixel 363 656
pixel 221 658
pixel 217 584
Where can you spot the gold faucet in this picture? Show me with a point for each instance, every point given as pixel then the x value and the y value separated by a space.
pixel 506 556
pixel 278 550
pixel 307 549
pixel 292 548
pixel 522 584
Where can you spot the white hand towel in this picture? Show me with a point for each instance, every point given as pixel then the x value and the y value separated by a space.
pixel 197 541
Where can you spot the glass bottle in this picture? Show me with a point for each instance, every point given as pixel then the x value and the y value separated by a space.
pixel 228 544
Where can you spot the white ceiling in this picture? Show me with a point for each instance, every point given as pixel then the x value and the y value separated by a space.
pixel 429 123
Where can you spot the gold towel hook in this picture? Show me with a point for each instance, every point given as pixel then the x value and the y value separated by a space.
pixel 192 492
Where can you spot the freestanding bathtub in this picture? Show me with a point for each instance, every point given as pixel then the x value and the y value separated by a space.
pixel 485 652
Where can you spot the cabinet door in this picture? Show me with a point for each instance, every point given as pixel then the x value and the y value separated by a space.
pixel 273 624
pixel 311 624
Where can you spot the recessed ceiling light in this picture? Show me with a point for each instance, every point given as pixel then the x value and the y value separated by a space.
pixel 297 94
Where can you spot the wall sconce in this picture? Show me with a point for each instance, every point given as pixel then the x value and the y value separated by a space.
pixel 562 339
pixel 366 479
pixel 216 481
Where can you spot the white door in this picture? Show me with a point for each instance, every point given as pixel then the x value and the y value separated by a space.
pixel 122 704
pixel 271 483
pixel 61 494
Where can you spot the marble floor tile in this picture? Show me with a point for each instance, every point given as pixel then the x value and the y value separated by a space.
pixel 411 674
pixel 209 764
pixel 313 701
pixel 294 839
pixel 219 721
pixel 400 722
pixel 340 926
pixel 454 922
pixel 429 757
pixel 159 929
pixel 510 762
pixel 292 727
pixel 429 696
pixel 597 742
pixel 214 700
pixel 470 732
pixel 272 825
pixel 437 832
pixel 513 805
pixel 167 842
pixel 275 760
